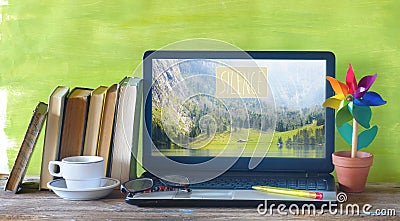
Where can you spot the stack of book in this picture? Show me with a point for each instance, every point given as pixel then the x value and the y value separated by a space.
pixel 104 121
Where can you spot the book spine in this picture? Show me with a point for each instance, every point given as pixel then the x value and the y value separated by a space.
pixel 114 133
pixel 74 127
pixel 28 144
pixel 123 140
pixel 115 161
pixel 107 126
pixel 136 129
pixel 85 118
pixel 53 132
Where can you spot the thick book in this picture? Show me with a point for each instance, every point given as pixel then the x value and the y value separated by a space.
pixel 95 113
pixel 74 123
pixel 107 126
pixel 52 138
pixel 126 131
pixel 28 144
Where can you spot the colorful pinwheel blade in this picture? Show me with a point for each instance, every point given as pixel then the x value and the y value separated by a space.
pixel 370 99
pixel 338 87
pixel 333 102
pixel 351 80
pixel 366 137
pixel 343 116
pixel 346 131
pixel 364 85
pixel 362 114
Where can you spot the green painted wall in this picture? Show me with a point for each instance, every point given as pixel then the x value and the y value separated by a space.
pixel 87 43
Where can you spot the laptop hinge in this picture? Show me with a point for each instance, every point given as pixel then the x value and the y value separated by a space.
pixel 311 174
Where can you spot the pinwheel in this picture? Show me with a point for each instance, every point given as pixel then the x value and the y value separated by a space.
pixel 352 102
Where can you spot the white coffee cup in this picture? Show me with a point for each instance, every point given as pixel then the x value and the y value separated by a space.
pixel 80 172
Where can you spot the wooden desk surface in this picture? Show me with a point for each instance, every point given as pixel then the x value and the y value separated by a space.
pixel 34 204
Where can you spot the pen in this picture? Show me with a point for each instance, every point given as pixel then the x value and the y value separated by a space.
pixel 291 192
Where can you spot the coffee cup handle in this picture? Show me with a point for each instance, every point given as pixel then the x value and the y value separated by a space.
pixel 53 163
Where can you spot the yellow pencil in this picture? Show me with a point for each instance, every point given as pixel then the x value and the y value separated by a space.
pixel 291 192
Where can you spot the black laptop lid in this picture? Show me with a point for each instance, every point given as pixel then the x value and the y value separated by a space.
pixel 237 111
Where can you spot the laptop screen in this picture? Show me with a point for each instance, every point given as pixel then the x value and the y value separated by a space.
pixel 263 106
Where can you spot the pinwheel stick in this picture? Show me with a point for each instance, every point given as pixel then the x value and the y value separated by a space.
pixel 354 141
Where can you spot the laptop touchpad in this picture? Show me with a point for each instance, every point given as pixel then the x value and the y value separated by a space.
pixel 205 194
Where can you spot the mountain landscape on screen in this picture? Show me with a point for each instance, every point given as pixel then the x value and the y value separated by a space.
pixel 189 118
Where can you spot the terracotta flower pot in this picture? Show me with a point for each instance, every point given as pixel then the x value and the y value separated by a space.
pixel 352 173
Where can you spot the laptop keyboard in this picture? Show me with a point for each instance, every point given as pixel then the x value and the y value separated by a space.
pixel 243 183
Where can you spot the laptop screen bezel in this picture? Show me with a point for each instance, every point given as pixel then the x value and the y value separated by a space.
pixel 319 165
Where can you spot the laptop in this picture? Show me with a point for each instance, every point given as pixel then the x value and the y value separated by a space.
pixel 232 120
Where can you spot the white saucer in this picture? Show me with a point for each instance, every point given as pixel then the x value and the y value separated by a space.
pixel 60 188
